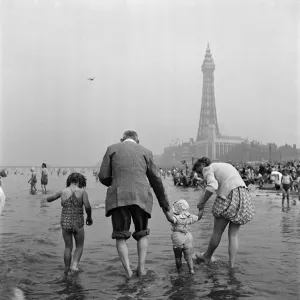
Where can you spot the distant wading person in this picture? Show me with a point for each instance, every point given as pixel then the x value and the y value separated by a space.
pixel 33 180
pixel 73 198
pixel 129 171
pixel 44 178
pixel 232 206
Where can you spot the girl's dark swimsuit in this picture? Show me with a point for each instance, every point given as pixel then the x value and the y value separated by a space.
pixel 72 217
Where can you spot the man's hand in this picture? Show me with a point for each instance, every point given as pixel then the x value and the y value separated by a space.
pixel 89 221
pixel 169 216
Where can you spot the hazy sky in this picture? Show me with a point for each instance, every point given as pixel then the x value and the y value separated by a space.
pixel 146 57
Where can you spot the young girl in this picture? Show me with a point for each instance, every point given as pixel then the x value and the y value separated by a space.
pixel 32 180
pixel 286 181
pixel 73 198
pixel 182 237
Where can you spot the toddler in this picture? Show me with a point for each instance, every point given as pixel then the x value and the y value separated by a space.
pixel 182 237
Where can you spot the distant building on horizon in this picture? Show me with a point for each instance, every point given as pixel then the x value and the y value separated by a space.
pixel 209 142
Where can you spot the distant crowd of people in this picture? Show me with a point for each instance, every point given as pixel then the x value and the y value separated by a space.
pixel 283 177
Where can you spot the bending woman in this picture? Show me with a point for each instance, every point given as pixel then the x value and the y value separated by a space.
pixel 232 205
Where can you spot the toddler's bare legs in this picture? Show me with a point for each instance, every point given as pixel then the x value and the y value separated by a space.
pixel 178 257
pixel 189 260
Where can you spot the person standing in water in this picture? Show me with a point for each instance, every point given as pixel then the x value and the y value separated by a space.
pixel 128 170
pixel 182 237
pixel 44 178
pixel 73 198
pixel 33 180
pixel 286 181
pixel 232 206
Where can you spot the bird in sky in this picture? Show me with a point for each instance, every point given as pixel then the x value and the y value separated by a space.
pixel 91 79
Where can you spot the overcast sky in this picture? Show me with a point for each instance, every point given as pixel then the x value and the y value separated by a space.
pixel 146 57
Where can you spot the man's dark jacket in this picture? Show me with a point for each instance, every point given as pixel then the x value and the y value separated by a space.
pixel 128 170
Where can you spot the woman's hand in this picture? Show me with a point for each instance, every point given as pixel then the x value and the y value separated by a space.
pixel 89 221
pixel 200 214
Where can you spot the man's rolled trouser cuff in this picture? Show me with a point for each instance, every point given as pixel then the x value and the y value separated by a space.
pixel 121 235
pixel 138 235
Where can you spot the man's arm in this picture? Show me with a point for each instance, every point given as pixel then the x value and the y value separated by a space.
pixel 105 173
pixel 156 183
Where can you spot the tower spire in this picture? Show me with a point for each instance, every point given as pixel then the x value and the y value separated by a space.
pixel 208 113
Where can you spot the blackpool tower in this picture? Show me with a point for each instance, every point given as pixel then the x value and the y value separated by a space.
pixel 208 113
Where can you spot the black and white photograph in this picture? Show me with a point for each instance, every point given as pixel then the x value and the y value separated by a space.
pixel 149 149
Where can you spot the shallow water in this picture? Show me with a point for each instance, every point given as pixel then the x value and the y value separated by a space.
pixel 31 252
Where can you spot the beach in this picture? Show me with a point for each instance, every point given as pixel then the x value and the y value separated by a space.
pixel 31 251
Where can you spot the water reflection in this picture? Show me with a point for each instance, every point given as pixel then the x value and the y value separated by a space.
pixel 72 288
pixel 183 287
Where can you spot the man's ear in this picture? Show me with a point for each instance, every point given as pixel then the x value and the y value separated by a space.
pixel 137 141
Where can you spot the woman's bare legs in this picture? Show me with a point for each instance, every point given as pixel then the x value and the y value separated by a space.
pixel 79 241
pixel 68 238
pixel 219 227
pixel 233 245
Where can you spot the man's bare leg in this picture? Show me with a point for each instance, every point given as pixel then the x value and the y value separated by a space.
pixel 142 246
pixel 123 254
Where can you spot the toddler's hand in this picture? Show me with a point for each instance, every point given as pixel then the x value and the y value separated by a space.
pixel 89 221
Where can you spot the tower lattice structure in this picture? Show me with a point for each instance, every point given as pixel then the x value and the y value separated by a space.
pixel 208 113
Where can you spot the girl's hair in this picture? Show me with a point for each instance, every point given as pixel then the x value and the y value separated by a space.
pixel 76 178
pixel 44 165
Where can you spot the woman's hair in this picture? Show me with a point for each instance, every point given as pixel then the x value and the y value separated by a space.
pixel 44 165
pixel 203 160
pixel 76 178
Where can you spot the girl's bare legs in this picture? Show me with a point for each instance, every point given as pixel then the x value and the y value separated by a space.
pixel 233 245
pixel 178 257
pixel 68 238
pixel 219 227
pixel 189 260
pixel 79 241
